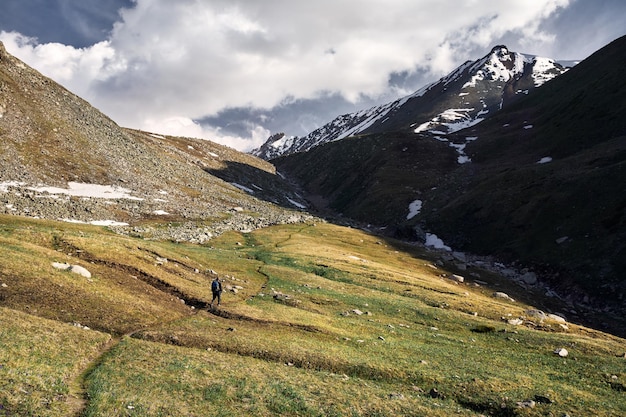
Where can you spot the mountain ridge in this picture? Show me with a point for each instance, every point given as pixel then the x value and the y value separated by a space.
pixel 458 100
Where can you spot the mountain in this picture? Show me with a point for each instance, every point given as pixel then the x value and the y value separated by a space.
pixel 61 158
pixel 316 318
pixel 539 184
pixel 463 98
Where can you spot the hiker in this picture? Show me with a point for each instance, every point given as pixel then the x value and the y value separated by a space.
pixel 216 288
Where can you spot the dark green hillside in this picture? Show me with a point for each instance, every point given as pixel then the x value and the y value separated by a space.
pixel 371 178
pixel 572 113
pixel 565 217
pixel 578 198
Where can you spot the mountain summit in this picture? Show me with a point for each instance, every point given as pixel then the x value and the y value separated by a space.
pixel 461 99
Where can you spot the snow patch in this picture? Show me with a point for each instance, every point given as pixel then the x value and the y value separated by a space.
pixel 414 209
pixel 242 187
pixel 295 203
pixel 4 186
pixel 79 189
pixel 96 222
pixel 433 241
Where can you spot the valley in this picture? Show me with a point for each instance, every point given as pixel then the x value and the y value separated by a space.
pixel 407 271
pixel 316 319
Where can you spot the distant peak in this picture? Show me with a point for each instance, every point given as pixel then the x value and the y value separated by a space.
pixel 500 49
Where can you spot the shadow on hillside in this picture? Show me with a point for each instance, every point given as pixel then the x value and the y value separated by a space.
pixel 280 190
pixel 262 185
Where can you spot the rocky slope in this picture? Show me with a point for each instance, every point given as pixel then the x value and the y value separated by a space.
pixel 49 137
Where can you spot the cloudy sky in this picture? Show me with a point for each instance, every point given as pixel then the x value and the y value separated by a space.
pixel 236 71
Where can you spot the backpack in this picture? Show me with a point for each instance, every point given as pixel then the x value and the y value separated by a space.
pixel 215 286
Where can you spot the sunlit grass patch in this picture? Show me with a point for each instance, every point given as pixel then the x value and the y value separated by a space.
pixel 145 379
pixel 324 321
pixel 39 361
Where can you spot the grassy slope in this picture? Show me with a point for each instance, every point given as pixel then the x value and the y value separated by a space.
pixel 283 344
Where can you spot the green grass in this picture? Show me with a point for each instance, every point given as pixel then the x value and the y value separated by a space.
pixel 288 342
pixel 39 362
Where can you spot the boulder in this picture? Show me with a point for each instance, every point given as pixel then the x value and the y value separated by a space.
pixel 458 278
pixel 557 318
pixel 537 314
pixel 502 295
pixel 77 269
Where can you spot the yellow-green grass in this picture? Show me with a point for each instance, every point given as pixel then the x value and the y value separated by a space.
pixel 140 378
pixel 40 361
pixel 290 341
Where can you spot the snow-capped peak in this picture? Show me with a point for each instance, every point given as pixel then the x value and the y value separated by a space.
pixel 461 99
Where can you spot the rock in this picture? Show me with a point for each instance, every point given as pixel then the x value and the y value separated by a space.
pixel 515 322
pixel 562 239
pixel 556 318
pixel 61 265
pixel 502 295
pixel 381 338
pixel 538 314
pixel 434 393
pixel 77 269
pixel 562 352
pixel 458 278
pixel 4 285
pixel 526 404
pixel 529 278
pixel 482 328
pixel 542 399
pixel 396 396
pixel 357 312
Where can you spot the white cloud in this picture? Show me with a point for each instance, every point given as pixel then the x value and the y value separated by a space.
pixel 167 63
pixel 186 127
